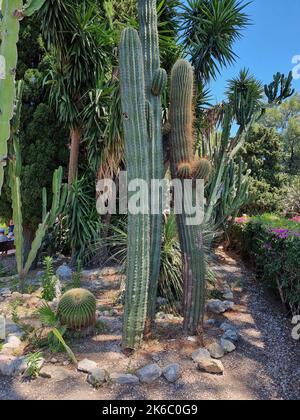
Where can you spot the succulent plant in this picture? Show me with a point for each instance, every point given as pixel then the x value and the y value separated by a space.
pixel 185 165
pixel 77 309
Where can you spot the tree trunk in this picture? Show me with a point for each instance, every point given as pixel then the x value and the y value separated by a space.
pixel 28 234
pixel 75 135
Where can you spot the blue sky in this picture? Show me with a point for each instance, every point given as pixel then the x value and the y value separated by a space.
pixel 268 45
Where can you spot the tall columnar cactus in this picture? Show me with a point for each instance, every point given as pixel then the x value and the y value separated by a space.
pixel 155 82
pixel 185 165
pixel 138 166
pixel 12 12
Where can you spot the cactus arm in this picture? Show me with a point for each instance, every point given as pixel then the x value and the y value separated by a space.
pixel 56 192
pixel 155 81
pixel 32 6
pixel 138 167
pixel 8 52
pixel 36 244
pixel 44 203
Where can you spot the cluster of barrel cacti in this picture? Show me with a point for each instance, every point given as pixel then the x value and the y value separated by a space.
pixel 12 12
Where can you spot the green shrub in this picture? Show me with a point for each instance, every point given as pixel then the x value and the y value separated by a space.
pixel 273 245
pixel 48 280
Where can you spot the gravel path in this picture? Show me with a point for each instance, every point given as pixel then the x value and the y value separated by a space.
pixel 266 365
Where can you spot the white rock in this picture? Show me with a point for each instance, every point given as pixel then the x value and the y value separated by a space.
pixel 210 365
pixel 228 305
pixel 200 354
pixel 228 296
pixel 64 273
pixel 149 373
pixel 12 366
pixel 13 343
pixel 124 379
pixel 227 346
pixel 87 366
pixel 97 377
pixel 216 350
pixel 227 326
pixel 192 339
pixel 172 372
pixel 216 306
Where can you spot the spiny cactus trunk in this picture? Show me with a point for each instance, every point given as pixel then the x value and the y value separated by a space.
pixel 10 27
pixel 137 160
pixel 185 166
pixel 155 81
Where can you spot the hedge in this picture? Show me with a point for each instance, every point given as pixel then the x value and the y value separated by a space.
pixel 273 246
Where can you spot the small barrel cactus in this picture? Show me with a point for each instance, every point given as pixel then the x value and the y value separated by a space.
pixel 77 309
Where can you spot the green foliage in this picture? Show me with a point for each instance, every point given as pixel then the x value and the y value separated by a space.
pixel 82 220
pixel 245 95
pixel 280 89
pixel 76 276
pixel 49 280
pixel 286 120
pixel 170 285
pixel 55 332
pixel 291 197
pixel 210 29
pixel 263 154
pixel 33 361
pixel 77 309
pixel 273 245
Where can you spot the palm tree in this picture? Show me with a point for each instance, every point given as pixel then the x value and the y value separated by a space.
pixel 210 29
pixel 79 42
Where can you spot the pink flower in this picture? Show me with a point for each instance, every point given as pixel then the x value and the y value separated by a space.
pixel 295 219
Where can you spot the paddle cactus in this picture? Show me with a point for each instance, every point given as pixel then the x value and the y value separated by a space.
pixel 138 166
pixel 155 83
pixel 77 309
pixel 12 12
pixel 185 165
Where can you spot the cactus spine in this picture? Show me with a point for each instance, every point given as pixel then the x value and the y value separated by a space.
pixel 155 82
pixel 182 160
pixel 138 165
pixel 12 12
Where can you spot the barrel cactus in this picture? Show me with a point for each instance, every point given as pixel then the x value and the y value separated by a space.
pixel 77 309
